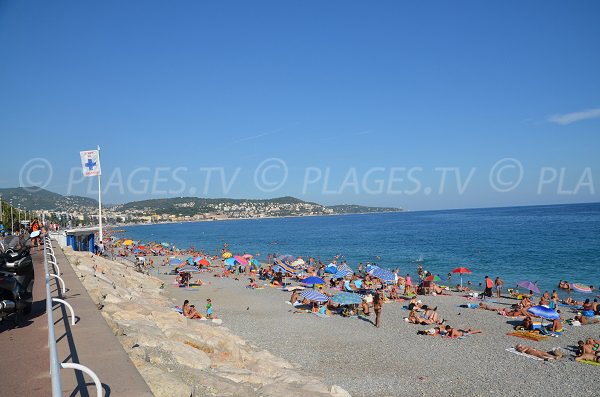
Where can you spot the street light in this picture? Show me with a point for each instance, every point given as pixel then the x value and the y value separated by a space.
pixel 12 219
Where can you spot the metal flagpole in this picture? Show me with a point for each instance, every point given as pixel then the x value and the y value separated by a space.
pixel 100 235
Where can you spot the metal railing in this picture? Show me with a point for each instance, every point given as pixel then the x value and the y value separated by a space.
pixel 55 365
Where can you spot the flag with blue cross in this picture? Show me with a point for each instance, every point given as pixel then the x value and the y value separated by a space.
pixel 90 162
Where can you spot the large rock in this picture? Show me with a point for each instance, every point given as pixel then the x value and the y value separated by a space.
pixel 164 384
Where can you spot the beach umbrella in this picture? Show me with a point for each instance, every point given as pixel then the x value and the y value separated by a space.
pixel 230 262
pixel 342 273
pixel 241 260
pixel 461 271
pixel 313 280
pixel 384 275
pixel 544 312
pixel 166 245
pixel 255 262
pixel 331 269
pixel 188 269
pixel 247 256
pixel 175 261
pixel 198 258
pixel 286 258
pixel 528 285
pixel 128 242
pixel 190 260
pixel 347 298
pixel 437 279
pixel 581 288
pixel 226 255
pixel 314 296
pixel 204 262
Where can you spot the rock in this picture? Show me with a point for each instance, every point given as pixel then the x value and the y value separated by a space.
pixel 337 391
pixel 168 319
pixel 164 384
pixel 186 354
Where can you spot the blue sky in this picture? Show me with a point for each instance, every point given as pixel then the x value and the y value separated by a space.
pixel 337 88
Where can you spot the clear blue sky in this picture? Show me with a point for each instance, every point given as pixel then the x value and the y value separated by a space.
pixel 338 84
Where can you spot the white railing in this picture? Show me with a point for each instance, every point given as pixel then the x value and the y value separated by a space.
pixel 55 366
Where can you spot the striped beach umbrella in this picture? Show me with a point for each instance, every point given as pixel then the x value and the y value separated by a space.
pixel 241 260
pixel 285 266
pixel 314 296
pixel 331 269
pixel 347 298
pixel 343 273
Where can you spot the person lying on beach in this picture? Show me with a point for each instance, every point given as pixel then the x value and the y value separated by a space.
pixel 437 289
pixel 572 302
pixel 555 355
pixel 513 313
pixel 190 310
pixel 462 289
pixel 588 351
pixel 457 333
pixel 432 315
pixel 252 283
pixel 414 303
pixel 483 306
pixel 414 318
pixel 584 320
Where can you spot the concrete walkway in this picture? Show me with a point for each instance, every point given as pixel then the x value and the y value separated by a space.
pixel 89 342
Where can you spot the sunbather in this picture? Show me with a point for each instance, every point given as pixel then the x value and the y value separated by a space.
pixel 538 353
pixel 456 333
pixel 190 310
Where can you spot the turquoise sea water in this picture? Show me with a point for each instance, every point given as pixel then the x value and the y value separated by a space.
pixel 543 244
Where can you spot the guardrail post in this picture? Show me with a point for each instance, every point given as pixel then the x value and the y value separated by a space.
pixel 68 305
pixel 83 368
pixel 64 290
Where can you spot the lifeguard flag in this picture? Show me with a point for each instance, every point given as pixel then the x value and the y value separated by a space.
pixel 90 162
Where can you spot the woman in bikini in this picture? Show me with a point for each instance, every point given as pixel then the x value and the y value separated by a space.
pixel 190 311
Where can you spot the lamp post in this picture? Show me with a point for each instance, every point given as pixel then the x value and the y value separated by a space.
pixel 12 219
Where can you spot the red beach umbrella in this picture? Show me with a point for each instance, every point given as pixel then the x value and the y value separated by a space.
pixel 461 271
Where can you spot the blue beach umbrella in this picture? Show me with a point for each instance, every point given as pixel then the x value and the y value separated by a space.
pixel 346 298
pixel 313 280
pixel 286 258
pixel 342 273
pixel 176 261
pixel 255 262
pixel 314 296
pixel 384 275
pixel 331 269
pixel 544 312
pixel 230 262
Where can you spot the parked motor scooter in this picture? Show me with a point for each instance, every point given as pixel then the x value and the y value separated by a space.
pixel 16 276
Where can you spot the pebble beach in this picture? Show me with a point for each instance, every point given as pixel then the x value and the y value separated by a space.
pixel 393 360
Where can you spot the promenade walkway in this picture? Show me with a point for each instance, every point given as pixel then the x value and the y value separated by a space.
pixel 90 342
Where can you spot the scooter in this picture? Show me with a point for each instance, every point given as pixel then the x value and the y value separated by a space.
pixel 16 277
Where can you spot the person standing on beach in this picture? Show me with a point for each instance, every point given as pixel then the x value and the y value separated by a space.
pixel 377 306
pixel 488 287
pixel 499 284
pixel 209 309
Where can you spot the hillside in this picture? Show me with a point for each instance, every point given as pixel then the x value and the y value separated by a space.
pixel 34 198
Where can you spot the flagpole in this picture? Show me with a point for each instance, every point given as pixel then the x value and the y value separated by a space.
pixel 100 234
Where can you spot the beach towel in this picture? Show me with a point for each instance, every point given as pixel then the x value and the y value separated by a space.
pixel 534 336
pixel 513 350
pixel 589 362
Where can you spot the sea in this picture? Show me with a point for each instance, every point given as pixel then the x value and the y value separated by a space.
pixel 542 244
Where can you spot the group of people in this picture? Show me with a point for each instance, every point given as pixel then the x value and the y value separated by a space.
pixel 191 312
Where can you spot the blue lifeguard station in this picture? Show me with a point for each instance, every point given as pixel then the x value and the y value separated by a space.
pixel 81 239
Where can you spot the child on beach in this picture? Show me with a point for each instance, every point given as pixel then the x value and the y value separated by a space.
pixel 209 309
